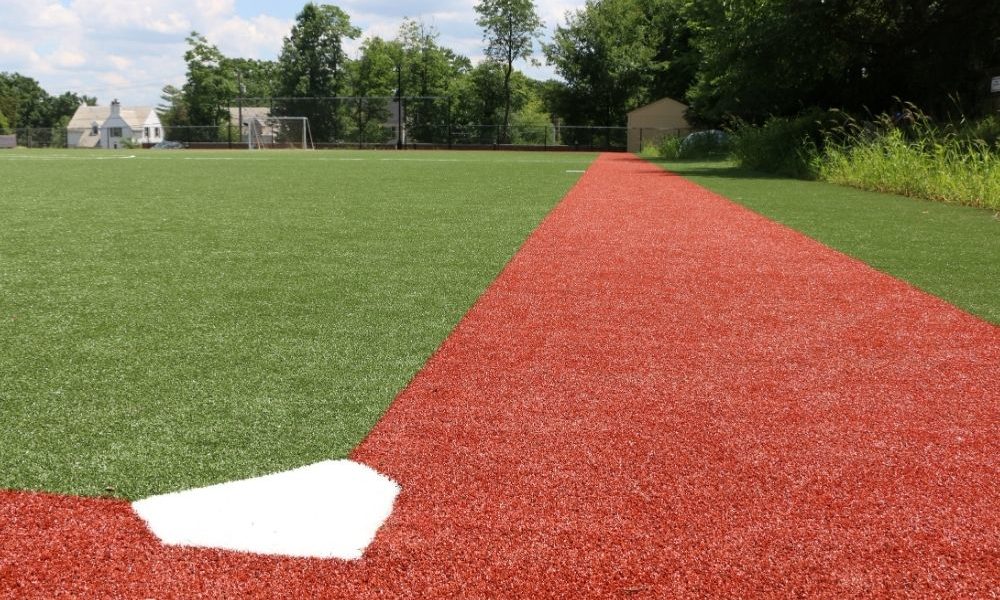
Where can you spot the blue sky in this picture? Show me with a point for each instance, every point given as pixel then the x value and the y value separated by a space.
pixel 130 49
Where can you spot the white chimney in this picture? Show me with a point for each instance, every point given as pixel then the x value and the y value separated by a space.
pixel 116 108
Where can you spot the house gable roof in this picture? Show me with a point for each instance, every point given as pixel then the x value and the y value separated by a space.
pixel 85 116
pixel 658 105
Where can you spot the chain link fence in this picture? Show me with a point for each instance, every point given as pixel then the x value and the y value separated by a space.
pixel 549 137
pixel 368 122
pixel 38 137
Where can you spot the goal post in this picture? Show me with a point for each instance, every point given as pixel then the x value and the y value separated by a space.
pixel 279 132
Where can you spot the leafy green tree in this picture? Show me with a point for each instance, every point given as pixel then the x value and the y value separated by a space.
pixel 479 101
pixel 676 59
pixel 255 78
pixel 607 53
pixel 23 103
pixel 373 81
pixel 530 123
pixel 777 57
pixel 313 65
pixel 172 108
pixel 510 28
pixel 210 86
pixel 428 72
pixel 61 108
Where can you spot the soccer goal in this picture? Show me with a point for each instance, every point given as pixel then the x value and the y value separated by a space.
pixel 279 132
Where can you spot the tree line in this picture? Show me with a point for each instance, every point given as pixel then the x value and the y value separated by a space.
pixel 753 59
pixel 342 97
pixel 745 59
pixel 23 103
pixel 748 59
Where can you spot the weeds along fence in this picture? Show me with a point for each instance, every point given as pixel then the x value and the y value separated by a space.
pixel 402 122
pixel 640 138
pixel 38 137
pixel 543 137
pixel 371 122
pixel 549 137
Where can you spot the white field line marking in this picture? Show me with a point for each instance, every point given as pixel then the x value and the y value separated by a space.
pixel 52 157
pixel 331 509
pixel 421 160
pixel 576 171
pixel 257 158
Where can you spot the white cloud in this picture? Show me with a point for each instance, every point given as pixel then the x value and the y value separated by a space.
pixel 120 62
pixel 67 58
pixel 131 48
pixel 215 8
pixel 55 15
pixel 259 37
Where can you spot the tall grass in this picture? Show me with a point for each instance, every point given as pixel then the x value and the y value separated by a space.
pixel 914 158
pixel 906 154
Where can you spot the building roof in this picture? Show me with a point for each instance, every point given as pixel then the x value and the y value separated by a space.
pixel 85 116
pixel 261 113
pixel 660 104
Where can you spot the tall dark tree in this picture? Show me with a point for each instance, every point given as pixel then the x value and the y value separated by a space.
pixel 373 80
pixel 607 54
pixel 255 78
pixel 428 72
pixel 510 28
pixel 313 65
pixel 23 103
pixel 780 56
pixel 210 86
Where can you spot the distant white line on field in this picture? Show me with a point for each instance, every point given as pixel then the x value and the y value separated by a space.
pixel 575 171
pixel 52 157
pixel 422 160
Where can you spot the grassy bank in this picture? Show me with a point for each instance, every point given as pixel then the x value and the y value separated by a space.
pixel 921 163
pixel 906 154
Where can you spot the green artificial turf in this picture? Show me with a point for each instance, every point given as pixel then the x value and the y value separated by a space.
pixel 947 250
pixel 183 318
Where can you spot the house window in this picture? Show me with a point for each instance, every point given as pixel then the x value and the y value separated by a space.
pixel 115 132
pixel 145 132
pixel 157 130
pixel 93 129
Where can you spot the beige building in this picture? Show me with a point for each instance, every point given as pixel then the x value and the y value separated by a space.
pixel 649 123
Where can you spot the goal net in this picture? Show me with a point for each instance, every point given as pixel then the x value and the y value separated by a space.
pixel 278 132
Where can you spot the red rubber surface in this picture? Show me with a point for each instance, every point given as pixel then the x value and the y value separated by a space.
pixel 662 395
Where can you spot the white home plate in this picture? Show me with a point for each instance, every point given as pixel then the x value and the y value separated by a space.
pixel 331 509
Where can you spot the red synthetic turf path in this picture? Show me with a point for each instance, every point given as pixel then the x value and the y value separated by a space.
pixel 662 395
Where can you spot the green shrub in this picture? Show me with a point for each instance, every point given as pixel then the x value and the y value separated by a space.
pixel 705 144
pixel 669 147
pixel 782 145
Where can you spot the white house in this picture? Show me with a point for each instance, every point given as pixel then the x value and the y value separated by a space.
pixel 114 127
